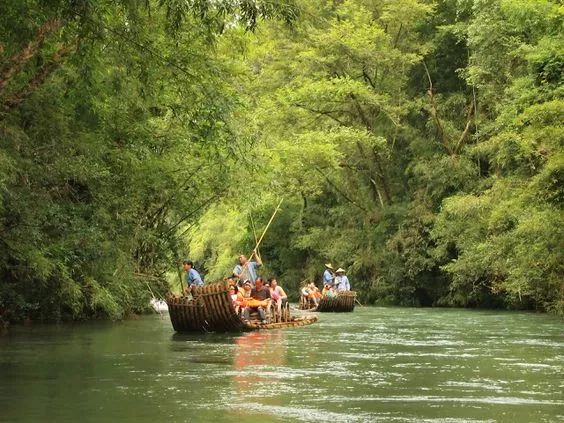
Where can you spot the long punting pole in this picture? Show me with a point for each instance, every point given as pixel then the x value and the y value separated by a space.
pixel 262 235
pixel 268 225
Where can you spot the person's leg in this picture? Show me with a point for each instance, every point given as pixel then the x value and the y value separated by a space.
pixel 247 313
pixel 261 313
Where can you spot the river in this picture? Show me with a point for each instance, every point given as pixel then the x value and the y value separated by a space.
pixel 376 364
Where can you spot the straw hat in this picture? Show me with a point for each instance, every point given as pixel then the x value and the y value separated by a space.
pixel 339 270
pixel 328 265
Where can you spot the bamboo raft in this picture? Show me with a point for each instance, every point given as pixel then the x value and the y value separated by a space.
pixel 343 302
pixel 211 310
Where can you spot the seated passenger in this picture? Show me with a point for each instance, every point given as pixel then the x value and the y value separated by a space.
pixel 260 299
pixel 326 289
pixel 314 294
pixel 310 294
pixel 273 294
pixel 247 288
pixel 274 287
pixel 237 298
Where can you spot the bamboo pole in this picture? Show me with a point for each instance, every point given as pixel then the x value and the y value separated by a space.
pixel 268 225
pixel 254 230
pixel 261 237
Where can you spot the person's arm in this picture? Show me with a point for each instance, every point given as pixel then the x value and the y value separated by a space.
pixel 237 270
pixel 258 260
pixel 281 292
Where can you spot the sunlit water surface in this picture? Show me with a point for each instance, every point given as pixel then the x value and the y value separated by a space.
pixel 376 364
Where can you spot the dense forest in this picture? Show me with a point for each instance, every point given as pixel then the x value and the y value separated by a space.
pixel 416 143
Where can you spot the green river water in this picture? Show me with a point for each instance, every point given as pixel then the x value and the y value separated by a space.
pixel 376 364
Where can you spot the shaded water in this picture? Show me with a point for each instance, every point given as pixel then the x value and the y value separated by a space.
pixel 376 364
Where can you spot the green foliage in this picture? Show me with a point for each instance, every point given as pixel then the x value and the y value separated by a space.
pixel 115 135
pixel 417 144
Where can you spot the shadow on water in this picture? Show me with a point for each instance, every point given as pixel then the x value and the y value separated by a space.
pixel 209 338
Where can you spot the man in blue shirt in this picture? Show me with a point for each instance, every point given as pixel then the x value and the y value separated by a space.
pixel 341 281
pixel 247 269
pixel 328 275
pixel 193 278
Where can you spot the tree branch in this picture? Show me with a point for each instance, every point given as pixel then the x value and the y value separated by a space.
pixel 21 58
pixel 435 114
pixel 345 196
pixel 469 119
pixel 39 79
pixel 321 112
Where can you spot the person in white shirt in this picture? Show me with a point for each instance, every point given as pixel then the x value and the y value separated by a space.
pixel 341 281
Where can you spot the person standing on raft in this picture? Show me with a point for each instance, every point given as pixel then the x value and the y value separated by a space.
pixel 193 278
pixel 341 281
pixel 328 276
pixel 247 269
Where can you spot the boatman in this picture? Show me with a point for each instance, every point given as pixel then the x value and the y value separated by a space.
pixel 247 269
pixel 328 275
pixel 341 281
pixel 193 278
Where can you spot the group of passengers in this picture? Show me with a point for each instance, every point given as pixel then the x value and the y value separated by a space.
pixel 334 281
pixel 250 294
pixel 248 291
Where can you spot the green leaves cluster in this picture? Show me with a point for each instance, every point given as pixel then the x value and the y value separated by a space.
pixel 418 144
pixel 115 136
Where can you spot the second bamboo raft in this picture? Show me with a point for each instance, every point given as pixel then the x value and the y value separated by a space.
pixel 343 302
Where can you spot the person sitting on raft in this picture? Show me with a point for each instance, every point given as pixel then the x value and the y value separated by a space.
pixel 311 292
pixel 193 278
pixel 259 301
pixel 327 291
pixel 237 298
pixel 341 281
pixel 247 269
pixel 277 290
pixel 247 289
pixel 232 282
pixel 273 294
pixel 305 294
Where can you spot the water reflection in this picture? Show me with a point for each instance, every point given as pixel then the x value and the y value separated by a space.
pixel 256 353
